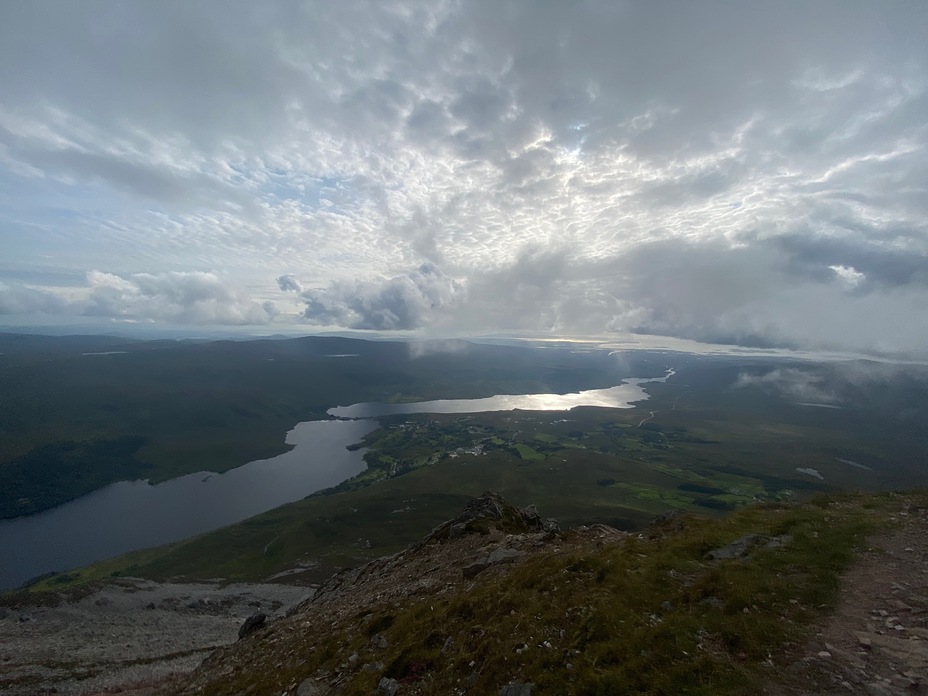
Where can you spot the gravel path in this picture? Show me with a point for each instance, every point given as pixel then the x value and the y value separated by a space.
pixel 876 642
pixel 134 632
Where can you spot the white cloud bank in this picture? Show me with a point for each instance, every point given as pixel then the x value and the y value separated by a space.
pixel 174 298
pixel 745 172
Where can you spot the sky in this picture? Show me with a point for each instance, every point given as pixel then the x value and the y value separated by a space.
pixel 751 173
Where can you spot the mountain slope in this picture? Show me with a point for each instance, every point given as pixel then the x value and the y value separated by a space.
pixel 495 602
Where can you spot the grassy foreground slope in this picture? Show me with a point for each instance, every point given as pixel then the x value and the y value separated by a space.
pixel 693 605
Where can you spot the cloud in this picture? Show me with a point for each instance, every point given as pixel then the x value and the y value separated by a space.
pixel 289 283
pixel 174 297
pixel 706 291
pixel 790 383
pixel 753 173
pixel 754 295
pixel 21 299
pixel 869 261
pixel 419 349
pixel 408 301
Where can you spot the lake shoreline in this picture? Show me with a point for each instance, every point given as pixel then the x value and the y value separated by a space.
pixel 326 454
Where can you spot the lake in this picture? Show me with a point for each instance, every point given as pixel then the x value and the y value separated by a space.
pixel 135 514
pixel 621 396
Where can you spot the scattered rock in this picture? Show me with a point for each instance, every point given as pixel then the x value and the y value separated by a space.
pixel 474 569
pixel 516 689
pixel 504 556
pixel 309 688
pixel 533 519
pixel 495 558
pixel 128 638
pixel 253 623
pixel 531 515
pixel 387 687
pixel 670 519
pixel 379 641
pixel 740 547
pixel 456 530
pixel 876 636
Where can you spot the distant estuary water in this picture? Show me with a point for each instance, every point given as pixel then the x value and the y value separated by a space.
pixel 135 514
pixel 621 396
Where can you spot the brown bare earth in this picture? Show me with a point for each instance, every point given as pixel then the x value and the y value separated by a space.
pixel 876 642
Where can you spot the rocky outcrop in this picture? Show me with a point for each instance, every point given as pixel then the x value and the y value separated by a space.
pixel 489 536
pixel 253 623
pixel 495 558
pixel 491 510
pixel 487 513
pixel 743 546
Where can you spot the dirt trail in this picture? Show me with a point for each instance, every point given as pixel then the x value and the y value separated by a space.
pixel 876 642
